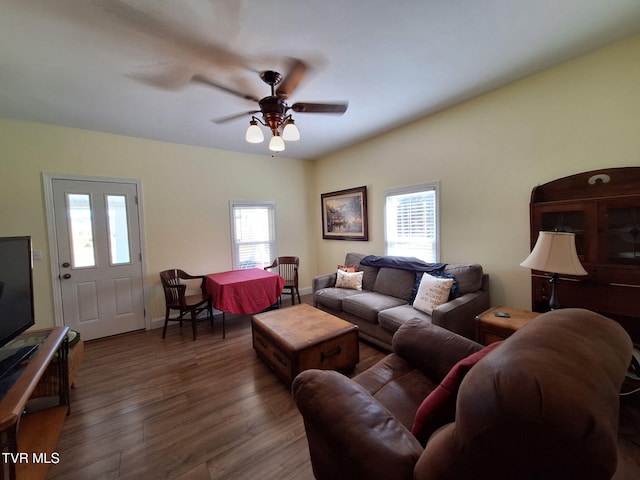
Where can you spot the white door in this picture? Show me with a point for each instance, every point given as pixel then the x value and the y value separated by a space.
pixel 99 254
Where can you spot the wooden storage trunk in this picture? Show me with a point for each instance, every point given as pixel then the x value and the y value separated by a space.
pixel 298 338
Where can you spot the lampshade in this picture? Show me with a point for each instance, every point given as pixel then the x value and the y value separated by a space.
pixel 276 144
pixel 555 252
pixel 254 133
pixel 290 132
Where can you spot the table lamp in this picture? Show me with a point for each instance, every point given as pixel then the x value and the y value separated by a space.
pixel 555 253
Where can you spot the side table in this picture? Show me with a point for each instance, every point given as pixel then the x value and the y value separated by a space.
pixel 492 328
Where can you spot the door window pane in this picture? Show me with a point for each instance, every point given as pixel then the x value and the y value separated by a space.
pixel 82 250
pixel 119 252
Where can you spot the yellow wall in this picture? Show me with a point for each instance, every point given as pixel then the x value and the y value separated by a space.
pixel 488 154
pixel 186 192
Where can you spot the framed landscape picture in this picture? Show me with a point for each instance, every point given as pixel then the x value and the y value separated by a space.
pixel 344 214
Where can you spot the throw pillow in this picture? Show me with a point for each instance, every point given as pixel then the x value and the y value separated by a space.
pixel 352 280
pixel 348 268
pixel 432 293
pixel 435 273
pixel 439 408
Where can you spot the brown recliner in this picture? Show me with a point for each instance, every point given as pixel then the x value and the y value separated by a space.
pixel 542 405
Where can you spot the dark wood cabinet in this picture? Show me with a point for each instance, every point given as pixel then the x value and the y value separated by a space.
pixel 602 208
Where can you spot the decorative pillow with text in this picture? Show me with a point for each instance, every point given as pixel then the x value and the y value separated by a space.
pixel 351 280
pixel 432 293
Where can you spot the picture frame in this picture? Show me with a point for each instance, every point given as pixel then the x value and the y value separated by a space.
pixel 344 214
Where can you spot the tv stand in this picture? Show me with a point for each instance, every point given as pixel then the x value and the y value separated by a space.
pixel 31 438
pixel 11 358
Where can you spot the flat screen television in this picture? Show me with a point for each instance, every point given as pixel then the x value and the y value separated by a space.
pixel 16 287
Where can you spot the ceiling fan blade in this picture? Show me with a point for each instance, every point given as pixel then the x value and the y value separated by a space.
pixel 304 107
pixel 231 118
pixel 296 73
pixel 169 77
pixel 174 34
pixel 211 83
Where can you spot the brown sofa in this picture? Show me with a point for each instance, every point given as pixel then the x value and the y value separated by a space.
pixel 542 405
pixel 383 304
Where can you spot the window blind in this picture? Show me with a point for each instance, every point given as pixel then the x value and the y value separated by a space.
pixel 411 222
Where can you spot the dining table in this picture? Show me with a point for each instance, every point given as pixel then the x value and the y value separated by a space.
pixel 246 291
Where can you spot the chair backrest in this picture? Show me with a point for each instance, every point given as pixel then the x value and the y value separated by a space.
pixel 288 269
pixel 173 290
pixel 543 405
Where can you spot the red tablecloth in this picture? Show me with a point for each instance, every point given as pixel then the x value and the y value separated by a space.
pixel 244 291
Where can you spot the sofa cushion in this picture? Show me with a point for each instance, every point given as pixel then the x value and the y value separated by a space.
pixel 367 305
pixel 332 297
pixel 369 277
pixel 397 385
pixel 432 293
pixel 353 258
pixel 403 395
pixel 439 407
pixel 395 282
pixel 468 276
pixel 391 318
pixel 351 280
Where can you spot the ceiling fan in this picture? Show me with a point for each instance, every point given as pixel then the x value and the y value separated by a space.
pixel 274 108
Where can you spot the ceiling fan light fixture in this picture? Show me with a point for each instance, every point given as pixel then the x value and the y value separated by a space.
pixel 290 133
pixel 254 133
pixel 273 109
pixel 276 144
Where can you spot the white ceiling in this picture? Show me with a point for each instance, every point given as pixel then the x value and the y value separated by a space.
pixel 97 64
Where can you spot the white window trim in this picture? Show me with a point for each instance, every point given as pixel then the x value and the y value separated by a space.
pixel 233 204
pixel 435 186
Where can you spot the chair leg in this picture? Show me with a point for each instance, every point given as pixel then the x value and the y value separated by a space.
pixel 166 322
pixel 298 294
pixel 194 323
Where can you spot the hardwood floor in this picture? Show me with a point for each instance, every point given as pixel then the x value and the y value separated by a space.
pixel 178 409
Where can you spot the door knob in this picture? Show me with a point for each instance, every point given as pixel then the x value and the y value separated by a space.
pixel 66 264
pixel 66 276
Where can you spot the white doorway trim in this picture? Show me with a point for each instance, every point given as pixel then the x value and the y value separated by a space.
pixel 47 183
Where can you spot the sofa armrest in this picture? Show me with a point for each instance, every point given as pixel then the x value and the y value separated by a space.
pixel 431 349
pixel 324 281
pixel 350 434
pixel 459 315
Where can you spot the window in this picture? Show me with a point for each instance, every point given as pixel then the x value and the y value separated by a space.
pixel 253 234
pixel 82 249
pixel 412 225
pixel 118 230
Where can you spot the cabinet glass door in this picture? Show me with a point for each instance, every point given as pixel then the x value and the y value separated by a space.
pixel 621 234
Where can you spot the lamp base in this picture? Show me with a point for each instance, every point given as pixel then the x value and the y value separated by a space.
pixel 554 301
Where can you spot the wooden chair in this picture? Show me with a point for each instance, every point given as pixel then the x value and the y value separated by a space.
pixel 288 269
pixel 176 299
